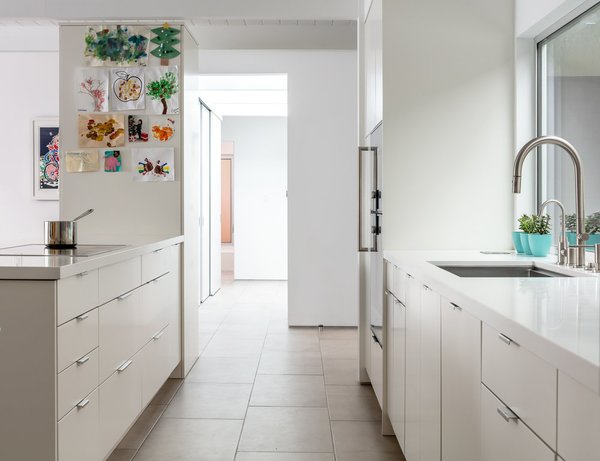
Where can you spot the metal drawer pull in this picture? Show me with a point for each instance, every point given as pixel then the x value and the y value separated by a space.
pixel 456 307
pixel 506 340
pixel 158 335
pixel 82 360
pixel 124 366
pixel 426 287
pixel 83 316
pixel 126 295
pixel 83 404
pixel 157 251
pixel 409 276
pixel 83 274
pixel 507 414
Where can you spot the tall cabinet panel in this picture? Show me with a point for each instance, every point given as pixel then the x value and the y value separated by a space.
pixel 412 437
pixel 373 70
pixel 396 344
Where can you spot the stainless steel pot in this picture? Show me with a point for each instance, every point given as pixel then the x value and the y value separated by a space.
pixel 62 234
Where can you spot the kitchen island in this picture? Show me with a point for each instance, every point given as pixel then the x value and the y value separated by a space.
pixel 85 344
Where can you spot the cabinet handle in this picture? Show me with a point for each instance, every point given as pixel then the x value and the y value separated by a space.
pixel 507 414
pixel 126 295
pixel 83 404
pixel 157 251
pixel 409 276
pixel 82 360
pixel 83 316
pixel 158 335
pixel 426 288
pixel 83 274
pixel 124 366
pixel 456 307
pixel 506 340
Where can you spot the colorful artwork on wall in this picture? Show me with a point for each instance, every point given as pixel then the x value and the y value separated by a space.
pixel 116 46
pixel 162 127
pixel 46 163
pixel 113 161
pixel 82 161
pixel 153 164
pixel 162 89
pixel 137 128
pixel 127 89
pixel 101 130
pixel 92 90
pixel 165 40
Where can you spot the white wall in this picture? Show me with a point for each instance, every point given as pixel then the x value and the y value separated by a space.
pixel 31 83
pixel 533 17
pixel 448 121
pixel 260 204
pixel 322 176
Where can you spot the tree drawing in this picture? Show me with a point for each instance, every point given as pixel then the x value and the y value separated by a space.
pixel 166 40
pixel 163 88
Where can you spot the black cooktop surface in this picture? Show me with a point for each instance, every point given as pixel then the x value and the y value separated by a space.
pixel 81 251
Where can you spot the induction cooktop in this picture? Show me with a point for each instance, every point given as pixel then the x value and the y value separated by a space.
pixel 81 251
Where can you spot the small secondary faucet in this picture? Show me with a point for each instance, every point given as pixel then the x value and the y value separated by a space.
pixel 570 150
pixel 562 239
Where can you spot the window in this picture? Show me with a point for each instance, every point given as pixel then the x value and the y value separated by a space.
pixel 569 107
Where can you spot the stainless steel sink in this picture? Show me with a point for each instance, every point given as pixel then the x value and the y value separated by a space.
pixel 499 271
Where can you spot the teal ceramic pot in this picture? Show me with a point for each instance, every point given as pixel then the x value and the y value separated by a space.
pixel 516 236
pixel 540 244
pixel 572 238
pixel 592 239
pixel 525 243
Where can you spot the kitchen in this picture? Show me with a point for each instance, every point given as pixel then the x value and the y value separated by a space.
pixel 462 77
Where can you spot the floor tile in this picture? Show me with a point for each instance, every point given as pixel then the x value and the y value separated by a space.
pixel 340 371
pixel 339 333
pixel 224 370
pixel 221 346
pixel 211 401
pixel 361 436
pixel 286 429
pixel 167 392
pixel 369 456
pixel 142 427
pixel 191 440
pixel 290 362
pixel 292 342
pixel 339 348
pixel 352 403
pixel 285 457
pixel 122 455
pixel 289 391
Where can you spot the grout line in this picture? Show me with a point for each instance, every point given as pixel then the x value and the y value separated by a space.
pixel 326 397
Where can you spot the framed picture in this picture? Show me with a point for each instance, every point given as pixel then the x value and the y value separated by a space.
pixel 46 163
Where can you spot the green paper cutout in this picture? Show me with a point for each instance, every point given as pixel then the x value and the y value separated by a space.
pixel 166 41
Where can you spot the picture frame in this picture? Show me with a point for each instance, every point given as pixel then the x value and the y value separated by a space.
pixel 46 164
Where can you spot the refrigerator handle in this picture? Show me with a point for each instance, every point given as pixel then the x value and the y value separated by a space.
pixel 362 149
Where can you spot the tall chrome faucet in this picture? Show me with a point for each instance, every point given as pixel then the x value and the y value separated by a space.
pixel 570 150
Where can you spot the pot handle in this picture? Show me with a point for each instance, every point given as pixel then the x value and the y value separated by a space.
pixel 84 214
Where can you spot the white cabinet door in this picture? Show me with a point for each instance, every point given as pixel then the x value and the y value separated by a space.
pixel 461 384
pixel 431 375
pixel 373 66
pixel 412 430
pixel 505 437
pixel 396 344
pixel 376 373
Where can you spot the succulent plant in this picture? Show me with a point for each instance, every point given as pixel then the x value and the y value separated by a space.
pixel 540 224
pixel 526 224
pixel 592 223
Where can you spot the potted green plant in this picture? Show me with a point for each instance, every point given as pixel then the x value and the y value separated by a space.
pixel 521 239
pixel 540 239
pixel 592 228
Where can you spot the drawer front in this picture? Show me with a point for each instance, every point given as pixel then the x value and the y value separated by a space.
pixel 76 295
pixel 578 421
pixel 159 358
pixel 120 404
pixel 506 439
pixel 117 279
pixel 159 262
pixel 389 277
pixel 121 331
pixel 156 300
pixel 76 382
pixel 76 338
pixel 522 380
pixel 78 431
pixel 400 280
pixel 376 373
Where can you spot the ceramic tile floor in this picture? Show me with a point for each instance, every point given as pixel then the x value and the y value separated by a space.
pixel 261 391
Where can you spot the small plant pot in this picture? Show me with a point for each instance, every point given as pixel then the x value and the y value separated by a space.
pixel 540 244
pixel 572 238
pixel 516 236
pixel 592 240
pixel 525 243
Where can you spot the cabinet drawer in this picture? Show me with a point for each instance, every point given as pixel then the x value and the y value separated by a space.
pixel 78 431
pixel 376 373
pixel 578 421
pixel 120 403
pixel 507 438
pixel 76 295
pixel 76 382
pixel 400 279
pixel 522 380
pixel 389 277
pixel 76 338
pixel 159 358
pixel 121 331
pixel 159 262
pixel 156 299
pixel 117 279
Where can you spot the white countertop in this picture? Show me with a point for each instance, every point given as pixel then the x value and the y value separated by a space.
pixel 556 318
pixel 58 267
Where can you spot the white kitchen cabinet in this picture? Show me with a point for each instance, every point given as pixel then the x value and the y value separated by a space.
pixel 461 383
pixel 76 382
pixel 373 70
pixel 159 357
pixel 396 360
pixel 505 436
pixel 78 431
pixel 578 421
pixel 76 338
pixel 412 429
pixel 376 372
pixel 76 295
pixel 117 279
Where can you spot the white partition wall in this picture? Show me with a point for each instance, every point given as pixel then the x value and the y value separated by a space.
pixel 215 204
pixel 203 176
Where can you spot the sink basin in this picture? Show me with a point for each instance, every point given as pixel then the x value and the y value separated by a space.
pixel 499 271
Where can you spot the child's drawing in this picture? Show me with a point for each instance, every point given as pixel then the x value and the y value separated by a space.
pixel 127 89
pixel 103 130
pixel 162 127
pixel 153 164
pixel 117 46
pixel 165 40
pixel 92 90
pixel 112 161
pixel 137 128
pixel 162 89
pixel 82 161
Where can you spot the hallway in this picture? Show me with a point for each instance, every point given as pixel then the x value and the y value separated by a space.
pixel 261 391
